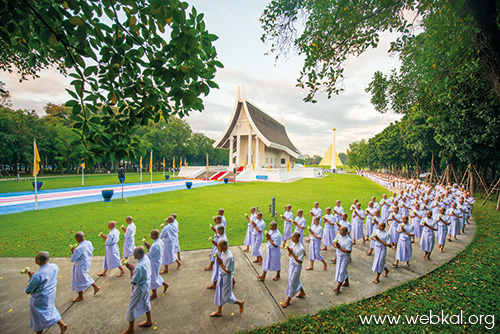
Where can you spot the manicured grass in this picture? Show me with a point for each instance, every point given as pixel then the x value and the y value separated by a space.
pixel 75 181
pixel 24 234
pixel 469 282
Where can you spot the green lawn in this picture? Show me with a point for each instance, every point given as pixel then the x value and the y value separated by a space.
pixel 75 181
pixel 24 234
pixel 469 282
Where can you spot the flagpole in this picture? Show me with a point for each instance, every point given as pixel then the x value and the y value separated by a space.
pixel 140 167
pixel 34 172
pixel 163 166
pixel 151 169
pixel 82 173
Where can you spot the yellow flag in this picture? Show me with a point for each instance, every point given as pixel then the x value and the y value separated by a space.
pixel 253 165
pixel 185 164
pixel 207 161
pixel 269 165
pixel 163 162
pixel 151 162
pixel 83 165
pixel 36 159
pixel 180 164
pixel 288 166
pixel 140 162
pixel 173 164
pixel 245 163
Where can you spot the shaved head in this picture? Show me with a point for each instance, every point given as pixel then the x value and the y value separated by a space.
pixel 79 236
pixel 42 258
pixel 155 234
pixel 139 252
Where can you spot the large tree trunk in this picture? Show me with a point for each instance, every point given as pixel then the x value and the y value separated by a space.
pixel 487 40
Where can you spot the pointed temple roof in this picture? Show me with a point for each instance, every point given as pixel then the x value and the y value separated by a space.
pixel 269 130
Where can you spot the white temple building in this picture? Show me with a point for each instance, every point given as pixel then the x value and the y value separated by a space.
pixel 259 148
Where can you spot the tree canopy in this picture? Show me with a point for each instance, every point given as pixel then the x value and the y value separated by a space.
pixel 335 30
pixel 131 61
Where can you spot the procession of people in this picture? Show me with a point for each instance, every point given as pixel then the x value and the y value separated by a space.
pixel 418 212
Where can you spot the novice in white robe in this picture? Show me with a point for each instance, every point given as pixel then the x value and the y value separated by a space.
pixel 82 260
pixel 404 250
pixel 141 283
pixel 384 239
pixel 428 239
pixel 343 255
pixel 224 290
pixel 112 252
pixel 272 260
pixel 248 235
pixel 338 211
pixel 357 224
pixel 316 232
pixel 296 253
pixel 42 286
pixel 258 236
pixel 155 256
pixel 168 237
pixel 330 228
pixel 129 241
pixel 442 221
pixel 287 224
pixel 300 221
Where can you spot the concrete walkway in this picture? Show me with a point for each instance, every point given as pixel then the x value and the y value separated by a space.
pixel 186 305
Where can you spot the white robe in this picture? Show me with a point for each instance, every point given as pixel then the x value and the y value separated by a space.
pixel 215 268
pixel 272 260
pixel 82 260
pixel 317 212
pixel 42 287
pixel 168 237
pixel 315 244
pixel 257 237
pixel 380 250
pixel 343 258
pixel 248 235
pixel 329 231
pixel 141 283
pixel 301 221
pixel 112 252
pixel 224 289
pixel 129 241
pixel 338 212
pixel 155 255
pixel 177 248
pixel 287 228
pixel 294 269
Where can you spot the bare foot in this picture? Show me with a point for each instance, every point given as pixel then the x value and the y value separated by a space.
pixel 153 297
pixel 406 265
pixel 426 259
pixel 242 306
pixel 246 250
pixel 205 268
pixel 260 262
pixel 441 251
pixel 164 271
pixel 394 265
pixel 325 266
pixel 77 299
pixel 300 295
pixel 120 274
pixel 216 314
pixel 102 274
pixel 128 331
pixel 369 253
pixel 179 264
pixel 334 261
pixel 336 291
pixel 212 286
pixel 363 242
pixel 64 328
pixel 165 287
pixel 345 284
pixel 285 304
pixel 354 242
pixel 310 268
pixel 324 248
pixel 276 278
pixel 255 261
pixel 385 273
pixel 96 290
pixel 375 281
pixel 262 278
pixel 145 324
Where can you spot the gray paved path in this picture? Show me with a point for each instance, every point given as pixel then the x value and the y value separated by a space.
pixel 187 303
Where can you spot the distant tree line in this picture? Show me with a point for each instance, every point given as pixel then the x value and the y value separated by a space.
pixel 60 150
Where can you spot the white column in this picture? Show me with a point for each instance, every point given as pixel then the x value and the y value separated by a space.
pixel 249 147
pixel 231 142
pixel 257 152
pixel 238 147
pixel 334 154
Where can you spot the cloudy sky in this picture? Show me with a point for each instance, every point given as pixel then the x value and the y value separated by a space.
pixel 268 84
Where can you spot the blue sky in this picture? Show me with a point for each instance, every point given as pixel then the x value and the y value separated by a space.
pixel 268 83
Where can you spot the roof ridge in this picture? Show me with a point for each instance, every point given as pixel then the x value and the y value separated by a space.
pixel 262 111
